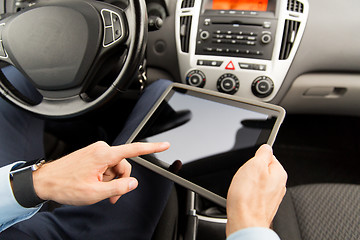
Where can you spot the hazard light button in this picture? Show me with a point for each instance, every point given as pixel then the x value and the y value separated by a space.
pixel 230 66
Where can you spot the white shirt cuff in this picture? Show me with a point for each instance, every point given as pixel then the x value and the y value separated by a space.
pixel 11 211
pixel 254 233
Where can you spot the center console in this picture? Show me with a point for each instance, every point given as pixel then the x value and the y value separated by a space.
pixel 243 47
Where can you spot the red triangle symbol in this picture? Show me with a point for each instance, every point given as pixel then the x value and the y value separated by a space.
pixel 230 66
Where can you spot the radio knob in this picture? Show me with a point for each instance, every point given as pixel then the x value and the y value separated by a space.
pixel 204 35
pixel 266 38
pixel 228 83
pixel 262 86
pixel 196 78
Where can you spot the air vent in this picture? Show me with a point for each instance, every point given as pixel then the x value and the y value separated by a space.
pixel 295 6
pixel 187 3
pixel 290 31
pixel 185 27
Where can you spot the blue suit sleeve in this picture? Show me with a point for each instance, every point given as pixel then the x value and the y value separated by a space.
pixel 255 233
pixel 11 211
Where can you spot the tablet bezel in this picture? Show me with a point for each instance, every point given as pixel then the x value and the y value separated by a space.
pixel 184 182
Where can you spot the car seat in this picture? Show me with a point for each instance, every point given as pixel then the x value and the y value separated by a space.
pixel 319 211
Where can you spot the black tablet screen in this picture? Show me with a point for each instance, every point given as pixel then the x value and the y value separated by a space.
pixel 210 136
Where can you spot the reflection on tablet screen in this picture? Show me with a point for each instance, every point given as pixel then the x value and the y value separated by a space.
pixel 211 136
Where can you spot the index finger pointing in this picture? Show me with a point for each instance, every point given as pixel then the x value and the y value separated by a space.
pixel 138 149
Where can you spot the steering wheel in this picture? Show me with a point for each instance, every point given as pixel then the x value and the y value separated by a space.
pixel 64 48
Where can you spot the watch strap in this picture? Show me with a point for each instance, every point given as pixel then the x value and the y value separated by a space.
pixel 23 188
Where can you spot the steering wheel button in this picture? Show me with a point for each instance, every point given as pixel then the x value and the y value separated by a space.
pixel 117 26
pixel 115 18
pixel 108 36
pixel 106 17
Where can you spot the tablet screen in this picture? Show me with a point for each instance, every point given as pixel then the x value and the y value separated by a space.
pixel 210 136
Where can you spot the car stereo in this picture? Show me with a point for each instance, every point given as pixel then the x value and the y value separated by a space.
pixel 223 33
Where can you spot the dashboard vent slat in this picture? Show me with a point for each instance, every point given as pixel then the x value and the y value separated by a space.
pixel 295 6
pixel 185 27
pixel 187 3
pixel 290 31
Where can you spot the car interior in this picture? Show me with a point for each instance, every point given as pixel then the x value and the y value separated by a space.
pixel 90 61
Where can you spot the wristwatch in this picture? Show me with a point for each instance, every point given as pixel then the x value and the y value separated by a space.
pixel 23 186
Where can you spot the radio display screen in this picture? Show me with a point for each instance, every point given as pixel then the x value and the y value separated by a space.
pixel 245 5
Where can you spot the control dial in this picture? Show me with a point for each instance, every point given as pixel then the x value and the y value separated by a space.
pixel 262 86
pixel 228 83
pixel 196 78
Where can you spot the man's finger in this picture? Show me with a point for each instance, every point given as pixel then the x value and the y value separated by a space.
pixel 123 168
pixel 264 154
pixel 278 171
pixel 117 187
pixel 138 149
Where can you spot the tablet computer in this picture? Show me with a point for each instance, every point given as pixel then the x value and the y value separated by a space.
pixel 211 136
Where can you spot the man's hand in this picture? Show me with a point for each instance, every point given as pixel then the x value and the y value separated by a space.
pixel 256 192
pixel 91 174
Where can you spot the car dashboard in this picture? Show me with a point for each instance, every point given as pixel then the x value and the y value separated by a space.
pixel 302 55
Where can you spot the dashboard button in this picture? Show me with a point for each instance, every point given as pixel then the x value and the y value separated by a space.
pixel 216 63
pixel 259 67
pixel 245 66
pixel 212 63
pixel 267 25
pixel 200 62
pixel 230 66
